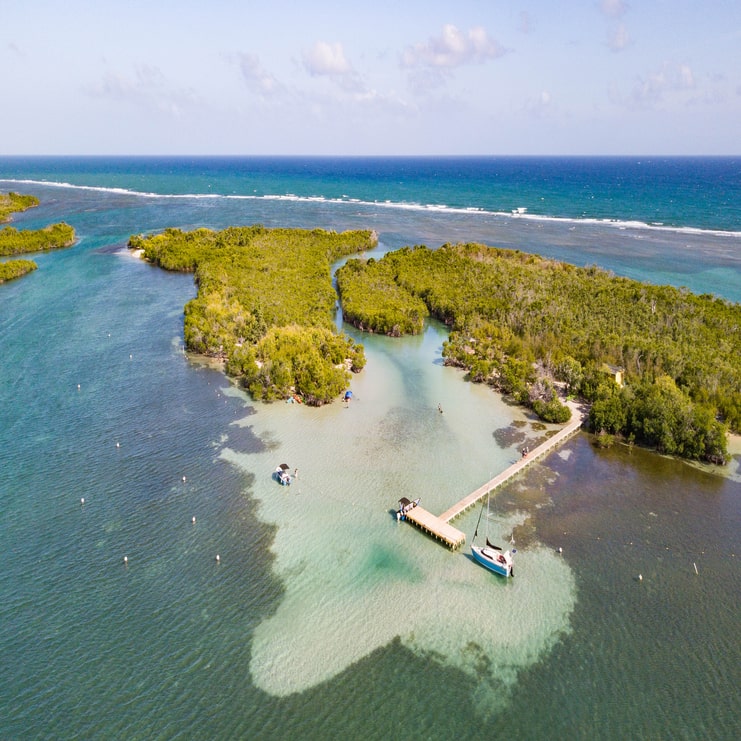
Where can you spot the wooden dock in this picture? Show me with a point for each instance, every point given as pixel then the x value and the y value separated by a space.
pixel 538 452
pixel 437 528
pixel 440 528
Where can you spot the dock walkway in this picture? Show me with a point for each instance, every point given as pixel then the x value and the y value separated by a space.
pixel 439 526
pixel 545 447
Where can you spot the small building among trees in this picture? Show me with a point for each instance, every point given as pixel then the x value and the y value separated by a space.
pixel 615 371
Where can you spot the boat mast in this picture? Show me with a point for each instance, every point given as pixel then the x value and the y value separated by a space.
pixel 476 532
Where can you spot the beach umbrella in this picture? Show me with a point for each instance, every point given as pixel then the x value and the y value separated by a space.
pixel 284 466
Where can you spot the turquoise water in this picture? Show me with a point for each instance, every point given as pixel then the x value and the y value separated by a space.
pixel 324 617
pixel 691 192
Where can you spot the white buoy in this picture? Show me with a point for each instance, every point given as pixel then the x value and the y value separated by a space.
pixel 193 520
pixel 560 550
pixel 640 577
pixel 78 386
pixel 82 500
pixel 130 356
pixel 118 445
pixel 183 478
pixel 126 559
pixel 218 557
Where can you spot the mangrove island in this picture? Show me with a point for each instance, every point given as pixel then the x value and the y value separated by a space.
pixel 14 242
pixel 265 305
pixel 659 365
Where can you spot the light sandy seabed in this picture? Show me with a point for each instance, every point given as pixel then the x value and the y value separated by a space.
pixel 354 577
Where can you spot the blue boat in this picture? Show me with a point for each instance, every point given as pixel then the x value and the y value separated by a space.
pixel 491 556
pixel 494 558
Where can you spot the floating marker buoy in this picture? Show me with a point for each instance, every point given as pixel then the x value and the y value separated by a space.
pixel 118 445
pixel 560 550
pixel 640 577
pixel 82 500
pixel 183 478
pixel 218 557
pixel 126 559
pixel 193 520
pixel 130 356
pixel 78 386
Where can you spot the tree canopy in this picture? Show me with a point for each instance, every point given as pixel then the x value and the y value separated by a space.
pixel 265 304
pixel 52 237
pixel 13 202
pixel 15 242
pixel 13 269
pixel 522 323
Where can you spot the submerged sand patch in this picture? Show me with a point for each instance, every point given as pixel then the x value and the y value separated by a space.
pixel 355 578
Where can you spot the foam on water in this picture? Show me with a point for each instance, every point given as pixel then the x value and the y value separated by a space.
pixel 414 206
pixel 355 578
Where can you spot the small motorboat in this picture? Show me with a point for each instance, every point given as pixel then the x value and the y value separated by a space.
pixel 405 505
pixel 281 474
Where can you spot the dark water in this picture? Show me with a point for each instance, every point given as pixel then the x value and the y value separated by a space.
pixel 161 648
pixel 655 658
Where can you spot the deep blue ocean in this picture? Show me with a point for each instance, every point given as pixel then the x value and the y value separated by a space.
pixel 98 401
pixel 680 192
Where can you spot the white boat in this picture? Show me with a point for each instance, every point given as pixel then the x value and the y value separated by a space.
pixel 491 556
pixel 404 506
pixel 494 558
pixel 281 474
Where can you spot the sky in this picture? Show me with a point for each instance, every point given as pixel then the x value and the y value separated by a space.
pixel 377 77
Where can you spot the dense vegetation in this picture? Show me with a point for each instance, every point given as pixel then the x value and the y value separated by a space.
pixel 373 301
pixel 14 242
pixel 265 304
pixel 53 237
pixel 12 202
pixel 525 325
pixel 15 269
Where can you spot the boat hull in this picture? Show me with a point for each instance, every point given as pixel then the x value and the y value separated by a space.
pixel 500 562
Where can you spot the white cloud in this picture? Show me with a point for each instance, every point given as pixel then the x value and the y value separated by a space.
pixel 525 23
pixel 687 79
pixel 326 59
pixel 148 88
pixel 614 8
pixel 540 105
pixel 255 76
pixel 653 89
pixel 452 48
pixel 618 39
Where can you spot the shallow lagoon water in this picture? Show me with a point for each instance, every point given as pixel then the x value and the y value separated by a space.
pixel 354 577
